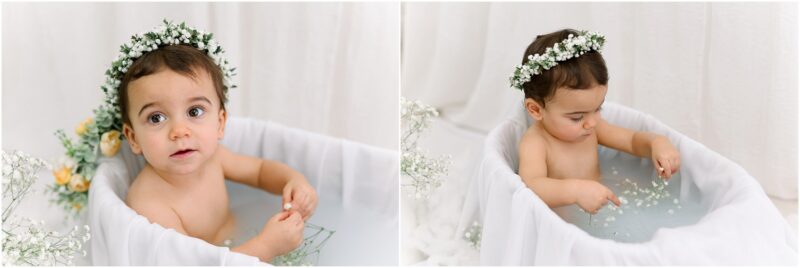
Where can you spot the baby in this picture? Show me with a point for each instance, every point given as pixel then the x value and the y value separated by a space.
pixel 173 111
pixel 565 86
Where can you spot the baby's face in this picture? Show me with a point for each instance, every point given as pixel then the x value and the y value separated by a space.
pixel 176 121
pixel 571 115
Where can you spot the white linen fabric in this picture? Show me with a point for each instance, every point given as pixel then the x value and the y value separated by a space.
pixel 358 175
pixel 741 227
pixel 724 74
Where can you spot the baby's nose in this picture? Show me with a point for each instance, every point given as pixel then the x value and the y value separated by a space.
pixel 590 124
pixel 179 131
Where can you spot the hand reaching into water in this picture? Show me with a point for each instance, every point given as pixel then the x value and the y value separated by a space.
pixel 666 159
pixel 591 195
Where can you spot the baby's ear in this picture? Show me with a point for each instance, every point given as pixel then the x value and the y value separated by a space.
pixel 131 136
pixel 533 108
pixel 223 117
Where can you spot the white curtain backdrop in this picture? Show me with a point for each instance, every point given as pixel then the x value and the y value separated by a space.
pixel 330 68
pixel 724 74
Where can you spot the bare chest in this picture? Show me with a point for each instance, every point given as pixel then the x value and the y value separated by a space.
pixel 204 210
pixel 574 161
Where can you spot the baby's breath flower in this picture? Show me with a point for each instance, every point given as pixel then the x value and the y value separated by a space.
pixel 473 235
pixel 25 241
pixel 310 247
pixel 572 47
pixel 424 172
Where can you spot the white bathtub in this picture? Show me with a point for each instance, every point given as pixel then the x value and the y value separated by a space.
pixel 357 187
pixel 726 217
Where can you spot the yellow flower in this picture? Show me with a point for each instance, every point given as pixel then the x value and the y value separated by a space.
pixel 78 184
pixel 110 142
pixel 83 126
pixel 77 206
pixel 63 175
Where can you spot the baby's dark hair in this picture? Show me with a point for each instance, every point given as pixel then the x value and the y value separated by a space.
pixel 581 72
pixel 182 59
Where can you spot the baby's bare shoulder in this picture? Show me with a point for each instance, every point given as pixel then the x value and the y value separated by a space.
pixel 149 197
pixel 532 138
pixel 147 192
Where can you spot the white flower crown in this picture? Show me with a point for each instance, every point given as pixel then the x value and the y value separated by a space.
pixel 164 35
pixel 101 134
pixel 572 47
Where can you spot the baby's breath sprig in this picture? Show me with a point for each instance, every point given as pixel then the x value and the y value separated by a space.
pixel 572 47
pixel 424 172
pixel 25 241
pixel 473 235
pixel 102 133
pixel 311 246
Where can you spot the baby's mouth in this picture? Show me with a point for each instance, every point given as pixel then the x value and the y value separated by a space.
pixel 182 153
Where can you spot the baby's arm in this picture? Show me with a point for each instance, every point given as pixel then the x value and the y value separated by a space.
pixel 642 144
pixel 273 177
pixel 589 195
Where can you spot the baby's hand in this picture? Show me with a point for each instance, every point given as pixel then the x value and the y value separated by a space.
pixel 666 159
pixel 299 196
pixel 283 233
pixel 591 195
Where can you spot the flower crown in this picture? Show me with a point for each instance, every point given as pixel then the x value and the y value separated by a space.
pixel 102 133
pixel 572 47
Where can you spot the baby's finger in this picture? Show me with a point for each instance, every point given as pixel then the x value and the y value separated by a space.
pixel 659 166
pixel 294 216
pixel 667 169
pixel 281 216
pixel 287 197
pixel 614 199
pixel 311 210
pixel 676 165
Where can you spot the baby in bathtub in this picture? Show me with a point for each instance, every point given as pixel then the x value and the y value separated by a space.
pixel 173 112
pixel 565 80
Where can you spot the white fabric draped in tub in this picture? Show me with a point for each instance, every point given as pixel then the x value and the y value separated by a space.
pixel 742 226
pixel 358 175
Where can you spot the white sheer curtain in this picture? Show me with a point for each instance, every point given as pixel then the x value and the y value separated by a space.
pixel 724 74
pixel 331 68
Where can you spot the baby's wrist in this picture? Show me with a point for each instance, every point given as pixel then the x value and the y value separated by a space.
pixel 572 190
pixel 658 140
pixel 265 247
pixel 256 247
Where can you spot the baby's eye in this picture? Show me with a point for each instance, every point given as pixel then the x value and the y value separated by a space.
pixel 156 118
pixel 576 119
pixel 196 111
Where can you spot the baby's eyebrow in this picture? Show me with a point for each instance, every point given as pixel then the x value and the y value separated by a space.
pixel 200 98
pixel 582 112
pixel 145 107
